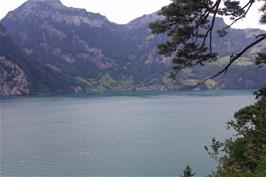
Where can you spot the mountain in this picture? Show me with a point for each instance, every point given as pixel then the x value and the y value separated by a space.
pixel 20 75
pixel 13 80
pixel 85 51
pixel 85 46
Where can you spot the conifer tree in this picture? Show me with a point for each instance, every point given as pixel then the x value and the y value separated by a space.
pixel 188 172
pixel 189 25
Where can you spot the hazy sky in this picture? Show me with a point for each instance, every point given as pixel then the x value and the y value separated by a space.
pixel 122 11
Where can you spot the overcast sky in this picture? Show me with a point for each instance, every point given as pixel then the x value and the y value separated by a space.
pixel 122 11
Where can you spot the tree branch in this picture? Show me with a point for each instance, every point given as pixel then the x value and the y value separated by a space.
pixel 237 56
pixel 249 5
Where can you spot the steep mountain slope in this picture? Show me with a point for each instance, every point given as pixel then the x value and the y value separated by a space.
pixel 88 52
pixel 13 80
pixel 82 44
pixel 20 75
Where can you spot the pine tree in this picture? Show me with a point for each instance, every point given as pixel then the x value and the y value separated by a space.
pixel 189 25
pixel 188 172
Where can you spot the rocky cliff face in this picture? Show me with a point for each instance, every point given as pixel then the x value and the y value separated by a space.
pixel 20 75
pixel 72 50
pixel 13 80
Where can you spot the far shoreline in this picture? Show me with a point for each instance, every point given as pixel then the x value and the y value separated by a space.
pixel 95 94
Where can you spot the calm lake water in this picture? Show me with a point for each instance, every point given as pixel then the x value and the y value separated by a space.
pixel 141 135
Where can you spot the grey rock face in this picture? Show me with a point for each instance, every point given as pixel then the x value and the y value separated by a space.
pixel 13 80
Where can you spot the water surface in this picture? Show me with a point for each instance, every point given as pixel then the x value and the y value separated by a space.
pixel 141 135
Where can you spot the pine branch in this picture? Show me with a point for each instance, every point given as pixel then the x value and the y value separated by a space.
pixel 237 56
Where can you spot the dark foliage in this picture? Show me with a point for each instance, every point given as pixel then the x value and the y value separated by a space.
pixel 188 172
pixel 245 154
pixel 190 26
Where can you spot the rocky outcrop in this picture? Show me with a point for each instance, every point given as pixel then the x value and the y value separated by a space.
pixel 20 75
pixel 13 80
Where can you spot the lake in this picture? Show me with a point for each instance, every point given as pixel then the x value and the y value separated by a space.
pixel 137 135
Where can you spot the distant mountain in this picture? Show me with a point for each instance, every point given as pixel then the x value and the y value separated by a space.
pixel 86 52
pixel 13 80
pixel 20 75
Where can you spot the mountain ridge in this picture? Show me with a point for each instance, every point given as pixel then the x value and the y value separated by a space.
pixel 96 54
pixel 19 75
